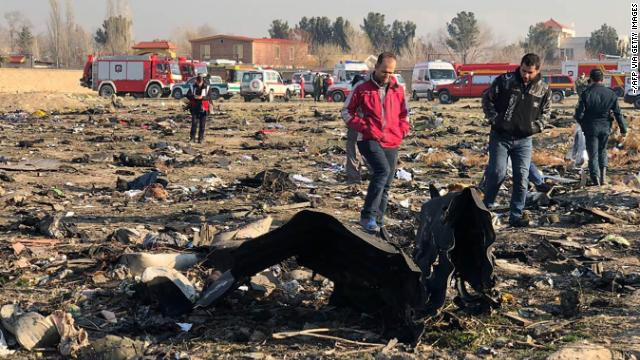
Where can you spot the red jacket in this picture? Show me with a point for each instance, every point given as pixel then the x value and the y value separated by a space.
pixel 364 112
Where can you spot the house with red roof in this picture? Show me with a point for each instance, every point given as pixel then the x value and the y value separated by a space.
pixel 280 53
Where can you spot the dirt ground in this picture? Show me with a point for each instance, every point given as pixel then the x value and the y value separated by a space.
pixel 565 251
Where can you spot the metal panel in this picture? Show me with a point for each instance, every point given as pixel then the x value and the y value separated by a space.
pixel 103 70
pixel 135 70
pixel 118 70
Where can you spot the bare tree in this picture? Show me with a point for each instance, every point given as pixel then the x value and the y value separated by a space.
pixel 55 30
pixel 116 34
pixel 326 53
pixel 4 40
pixel 16 21
pixel 358 42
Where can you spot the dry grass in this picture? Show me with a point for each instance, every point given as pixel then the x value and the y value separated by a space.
pixel 436 158
pixel 545 158
pixel 41 80
pixel 474 160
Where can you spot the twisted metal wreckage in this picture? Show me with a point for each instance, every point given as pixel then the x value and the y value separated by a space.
pixel 454 240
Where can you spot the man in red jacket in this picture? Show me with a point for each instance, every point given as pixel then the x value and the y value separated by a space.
pixel 378 111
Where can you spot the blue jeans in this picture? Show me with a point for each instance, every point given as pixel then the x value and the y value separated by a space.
pixel 500 149
pixel 535 176
pixel 596 140
pixel 383 163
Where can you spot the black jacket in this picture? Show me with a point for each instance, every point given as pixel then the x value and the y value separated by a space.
pixel 594 109
pixel 514 109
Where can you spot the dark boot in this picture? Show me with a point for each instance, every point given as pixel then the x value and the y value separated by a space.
pixel 603 176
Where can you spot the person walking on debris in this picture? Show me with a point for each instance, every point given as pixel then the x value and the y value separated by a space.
pixel 595 106
pixel 517 105
pixel 317 87
pixel 352 167
pixel 581 84
pixel 301 87
pixel 377 110
pixel 199 107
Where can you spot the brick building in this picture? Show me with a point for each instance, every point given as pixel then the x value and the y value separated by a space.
pixel 281 53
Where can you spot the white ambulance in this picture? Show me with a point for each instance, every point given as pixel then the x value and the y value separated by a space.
pixel 427 75
pixel 345 71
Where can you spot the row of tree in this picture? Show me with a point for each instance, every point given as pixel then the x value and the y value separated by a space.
pixel 65 42
pixel 321 31
pixel 464 39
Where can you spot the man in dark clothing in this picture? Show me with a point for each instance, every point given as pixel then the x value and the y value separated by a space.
pixel 593 113
pixel 377 110
pixel 517 105
pixel 199 107
pixel 317 87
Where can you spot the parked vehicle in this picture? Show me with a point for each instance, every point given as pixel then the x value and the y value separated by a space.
pixel 217 88
pixel 561 86
pixel 231 74
pixel 426 76
pixel 142 75
pixel 466 86
pixel 308 77
pixel 191 68
pixel 615 71
pixel 265 85
pixel 345 71
pixel 338 92
pixel 485 68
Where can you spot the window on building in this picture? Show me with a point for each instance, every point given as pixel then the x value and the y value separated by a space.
pixel 238 51
pixel 277 53
pixel 205 51
pixel 291 54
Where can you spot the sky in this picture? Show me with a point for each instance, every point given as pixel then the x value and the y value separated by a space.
pixel 509 20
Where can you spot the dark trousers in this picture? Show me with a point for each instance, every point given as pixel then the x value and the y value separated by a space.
pixel 383 163
pixel 500 149
pixel 198 122
pixel 596 141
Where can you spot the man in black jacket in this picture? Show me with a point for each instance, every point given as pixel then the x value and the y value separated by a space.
pixel 517 105
pixel 593 113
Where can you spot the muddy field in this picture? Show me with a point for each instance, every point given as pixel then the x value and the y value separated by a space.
pixel 75 267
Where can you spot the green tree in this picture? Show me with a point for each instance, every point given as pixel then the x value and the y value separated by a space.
pixel 115 34
pixel 542 41
pixel 603 41
pixel 279 30
pixel 463 34
pixel 316 30
pixel 377 31
pixel 25 41
pixel 402 35
pixel 340 33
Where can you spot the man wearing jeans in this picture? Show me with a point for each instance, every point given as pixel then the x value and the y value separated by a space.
pixel 595 107
pixel 377 110
pixel 517 105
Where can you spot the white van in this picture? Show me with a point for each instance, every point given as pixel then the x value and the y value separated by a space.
pixel 427 75
pixel 345 71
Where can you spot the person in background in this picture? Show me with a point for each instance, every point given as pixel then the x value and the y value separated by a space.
pixel 317 87
pixel 594 113
pixel 199 107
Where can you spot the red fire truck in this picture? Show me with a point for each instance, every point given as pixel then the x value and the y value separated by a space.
pixel 190 68
pixel 484 69
pixel 147 75
pixel 613 69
